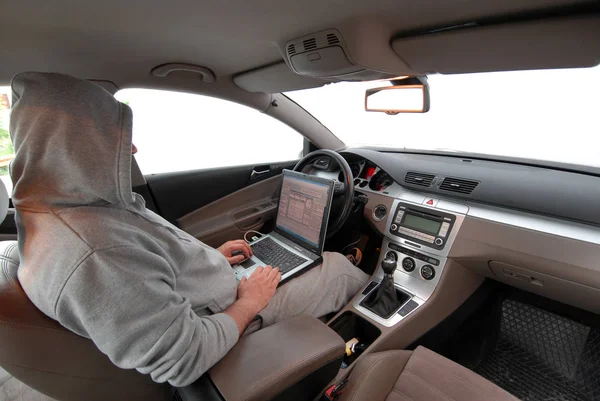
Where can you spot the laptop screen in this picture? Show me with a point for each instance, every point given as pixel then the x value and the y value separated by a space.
pixel 303 212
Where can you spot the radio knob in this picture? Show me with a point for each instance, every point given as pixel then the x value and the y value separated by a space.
pixel 408 264
pixel 394 227
pixel 439 241
pixel 427 272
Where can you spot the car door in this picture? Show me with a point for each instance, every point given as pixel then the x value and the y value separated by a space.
pixel 209 166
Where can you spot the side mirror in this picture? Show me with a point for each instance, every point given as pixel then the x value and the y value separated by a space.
pixel 409 95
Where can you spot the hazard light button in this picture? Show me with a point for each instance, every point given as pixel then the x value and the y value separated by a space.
pixel 430 202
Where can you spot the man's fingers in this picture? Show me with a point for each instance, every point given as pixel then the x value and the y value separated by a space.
pixel 243 246
pixel 247 247
pixel 273 273
pixel 243 281
pixel 236 259
pixel 257 272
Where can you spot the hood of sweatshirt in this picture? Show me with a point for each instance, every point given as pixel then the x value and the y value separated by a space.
pixel 72 143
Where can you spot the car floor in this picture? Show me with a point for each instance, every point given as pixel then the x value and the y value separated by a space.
pixel 11 389
pixel 534 348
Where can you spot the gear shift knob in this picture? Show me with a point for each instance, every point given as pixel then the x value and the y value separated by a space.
pixel 389 265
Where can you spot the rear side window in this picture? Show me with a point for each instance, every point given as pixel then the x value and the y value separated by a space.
pixel 175 131
pixel 7 152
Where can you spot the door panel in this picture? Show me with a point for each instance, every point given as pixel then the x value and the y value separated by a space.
pixel 179 194
pixel 230 217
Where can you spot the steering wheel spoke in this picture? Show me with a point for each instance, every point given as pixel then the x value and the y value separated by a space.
pixel 345 187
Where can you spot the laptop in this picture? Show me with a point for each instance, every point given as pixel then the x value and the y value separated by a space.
pixel 296 244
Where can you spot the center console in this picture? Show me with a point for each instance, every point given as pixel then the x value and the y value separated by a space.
pixel 414 271
pixel 418 236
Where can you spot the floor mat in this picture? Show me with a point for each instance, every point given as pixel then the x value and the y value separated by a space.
pixel 541 356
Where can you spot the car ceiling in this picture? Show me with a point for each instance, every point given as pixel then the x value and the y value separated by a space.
pixel 122 41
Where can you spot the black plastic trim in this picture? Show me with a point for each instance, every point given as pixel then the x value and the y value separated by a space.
pixel 309 386
pixel 202 389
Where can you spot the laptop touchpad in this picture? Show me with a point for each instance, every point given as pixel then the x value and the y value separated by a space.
pixel 247 263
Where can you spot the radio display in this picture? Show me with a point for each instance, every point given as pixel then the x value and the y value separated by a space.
pixel 421 224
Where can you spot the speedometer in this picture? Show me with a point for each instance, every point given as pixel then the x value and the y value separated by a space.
pixel 355 168
pixel 380 181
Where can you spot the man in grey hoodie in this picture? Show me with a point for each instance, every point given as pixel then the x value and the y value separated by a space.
pixel 150 296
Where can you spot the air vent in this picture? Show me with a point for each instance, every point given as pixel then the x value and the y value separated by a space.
pixel 332 39
pixel 458 185
pixel 309 44
pixel 291 49
pixel 421 179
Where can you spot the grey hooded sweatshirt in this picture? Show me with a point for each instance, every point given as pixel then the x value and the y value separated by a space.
pixel 149 295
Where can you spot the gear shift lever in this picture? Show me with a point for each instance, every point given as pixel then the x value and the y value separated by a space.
pixel 389 266
pixel 385 300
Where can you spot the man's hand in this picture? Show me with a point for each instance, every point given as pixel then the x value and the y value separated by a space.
pixel 260 287
pixel 253 295
pixel 231 246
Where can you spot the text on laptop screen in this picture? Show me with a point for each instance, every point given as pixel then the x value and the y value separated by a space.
pixel 301 208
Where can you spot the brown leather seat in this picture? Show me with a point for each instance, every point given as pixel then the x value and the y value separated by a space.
pixel 419 375
pixel 49 358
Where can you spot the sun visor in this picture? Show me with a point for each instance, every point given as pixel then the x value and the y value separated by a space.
pixel 275 78
pixel 550 43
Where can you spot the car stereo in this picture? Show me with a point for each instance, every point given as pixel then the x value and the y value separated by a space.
pixel 422 225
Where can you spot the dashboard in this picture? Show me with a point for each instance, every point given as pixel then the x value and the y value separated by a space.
pixel 430 209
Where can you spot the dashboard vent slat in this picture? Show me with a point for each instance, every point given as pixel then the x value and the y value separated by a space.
pixel 309 44
pixel 332 39
pixel 458 185
pixel 420 179
pixel 292 49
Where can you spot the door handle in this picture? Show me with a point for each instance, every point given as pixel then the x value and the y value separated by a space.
pixel 256 174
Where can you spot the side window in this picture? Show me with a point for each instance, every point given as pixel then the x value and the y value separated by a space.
pixel 175 131
pixel 7 152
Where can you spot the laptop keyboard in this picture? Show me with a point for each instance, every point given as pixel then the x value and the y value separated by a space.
pixel 275 255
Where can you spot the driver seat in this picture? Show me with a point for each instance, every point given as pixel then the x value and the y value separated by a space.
pixel 41 353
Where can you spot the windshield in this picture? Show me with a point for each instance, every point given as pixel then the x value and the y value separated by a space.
pixel 547 115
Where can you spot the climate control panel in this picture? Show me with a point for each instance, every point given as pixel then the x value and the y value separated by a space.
pixel 412 261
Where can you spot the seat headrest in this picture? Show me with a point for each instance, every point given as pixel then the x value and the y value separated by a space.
pixel 4 198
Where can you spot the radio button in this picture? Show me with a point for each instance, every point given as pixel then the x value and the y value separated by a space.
pixel 393 227
pixel 439 241
pixel 444 229
pixel 408 264
pixel 427 272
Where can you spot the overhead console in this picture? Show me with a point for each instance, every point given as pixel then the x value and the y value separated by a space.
pixel 325 55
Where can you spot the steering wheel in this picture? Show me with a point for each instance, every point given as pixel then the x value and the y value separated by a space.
pixel 343 188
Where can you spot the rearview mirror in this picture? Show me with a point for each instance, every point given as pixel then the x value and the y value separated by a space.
pixel 410 95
